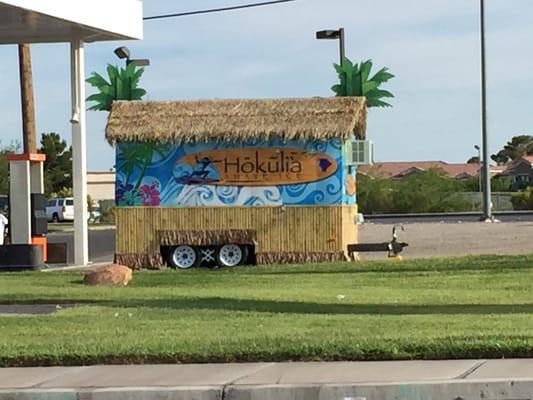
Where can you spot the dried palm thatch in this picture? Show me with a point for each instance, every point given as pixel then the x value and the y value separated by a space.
pixel 205 237
pixel 231 120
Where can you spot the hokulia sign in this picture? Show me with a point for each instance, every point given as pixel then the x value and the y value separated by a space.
pixel 252 166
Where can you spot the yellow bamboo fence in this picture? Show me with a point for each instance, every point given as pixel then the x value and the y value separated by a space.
pixel 279 234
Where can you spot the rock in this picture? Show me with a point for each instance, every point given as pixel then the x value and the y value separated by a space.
pixel 113 274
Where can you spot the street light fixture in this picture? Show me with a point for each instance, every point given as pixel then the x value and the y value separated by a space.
pixel 334 34
pixel 124 53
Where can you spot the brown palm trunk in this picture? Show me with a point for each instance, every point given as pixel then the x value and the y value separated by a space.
pixel 28 108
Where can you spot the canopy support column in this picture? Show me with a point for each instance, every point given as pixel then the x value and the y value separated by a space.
pixel 79 154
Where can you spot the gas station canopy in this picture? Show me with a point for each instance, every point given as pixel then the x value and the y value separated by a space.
pixel 74 22
pixel 53 21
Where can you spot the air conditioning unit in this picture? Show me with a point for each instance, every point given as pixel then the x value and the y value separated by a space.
pixel 359 152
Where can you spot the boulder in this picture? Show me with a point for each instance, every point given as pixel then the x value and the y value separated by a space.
pixel 113 274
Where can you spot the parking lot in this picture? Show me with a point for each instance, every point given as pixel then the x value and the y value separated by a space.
pixel 430 239
pixel 426 239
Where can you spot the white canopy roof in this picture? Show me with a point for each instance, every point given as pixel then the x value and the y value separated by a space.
pixel 49 21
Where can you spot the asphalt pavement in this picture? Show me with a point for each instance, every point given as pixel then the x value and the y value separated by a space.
pixel 101 244
pixel 431 238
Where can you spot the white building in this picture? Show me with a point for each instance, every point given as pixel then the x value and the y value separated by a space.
pixel 101 185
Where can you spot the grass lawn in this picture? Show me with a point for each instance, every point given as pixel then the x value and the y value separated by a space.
pixel 426 309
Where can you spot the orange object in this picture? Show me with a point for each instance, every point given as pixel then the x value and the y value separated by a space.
pixel 350 185
pixel 41 241
pixel 26 157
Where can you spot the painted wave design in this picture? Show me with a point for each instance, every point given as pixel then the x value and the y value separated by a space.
pixel 208 195
pixel 167 170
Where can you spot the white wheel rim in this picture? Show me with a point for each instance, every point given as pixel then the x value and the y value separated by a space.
pixel 230 255
pixel 184 257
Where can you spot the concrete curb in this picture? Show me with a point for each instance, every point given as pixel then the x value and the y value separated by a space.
pixel 444 390
pixel 125 393
pixel 520 389
pixel 70 229
pixel 77 267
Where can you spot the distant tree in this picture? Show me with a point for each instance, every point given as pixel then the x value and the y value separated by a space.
pixel 4 165
pixel 473 160
pixel 355 81
pixel 58 164
pixel 515 148
pixel 122 84
pixel 425 191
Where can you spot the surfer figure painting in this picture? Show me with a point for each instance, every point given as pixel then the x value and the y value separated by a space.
pixel 203 172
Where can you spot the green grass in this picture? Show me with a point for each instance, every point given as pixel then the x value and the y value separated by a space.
pixel 425 309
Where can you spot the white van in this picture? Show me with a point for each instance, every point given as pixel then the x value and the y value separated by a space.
pixel 60 209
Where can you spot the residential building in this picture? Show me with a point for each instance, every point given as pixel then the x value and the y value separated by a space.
pixel 401 169
pixel 521 172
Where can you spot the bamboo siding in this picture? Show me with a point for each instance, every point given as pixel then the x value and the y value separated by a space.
pixel 279 229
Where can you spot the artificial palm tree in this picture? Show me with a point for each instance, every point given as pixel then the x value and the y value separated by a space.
pixel 355 81
pixel 122 84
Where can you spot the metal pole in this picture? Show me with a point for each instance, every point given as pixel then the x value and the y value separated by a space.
pixel 79 153
pixel 341 45
pixel 487 211
pixel 479 167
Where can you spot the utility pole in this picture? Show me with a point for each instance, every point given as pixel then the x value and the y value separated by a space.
pixel 487 209
pixel 28 107
pixel 342 51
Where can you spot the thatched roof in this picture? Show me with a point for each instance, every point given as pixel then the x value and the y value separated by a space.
pixel 202 120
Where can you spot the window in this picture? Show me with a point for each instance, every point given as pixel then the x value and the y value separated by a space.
pixel 522 178
pixel 69 202
pixel 60 202
pixel 50 203
pixel 359 152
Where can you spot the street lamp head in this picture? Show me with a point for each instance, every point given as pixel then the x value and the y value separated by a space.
pixel 328 34
pixel 143 62
pixel 476 147
pixel 122 52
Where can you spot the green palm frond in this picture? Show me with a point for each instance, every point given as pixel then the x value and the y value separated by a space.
pixel 354 80
pixel 122 84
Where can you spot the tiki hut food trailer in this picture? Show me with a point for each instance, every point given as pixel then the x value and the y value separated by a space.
pixel 231 181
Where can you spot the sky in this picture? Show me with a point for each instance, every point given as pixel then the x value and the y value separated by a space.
pixel 432 46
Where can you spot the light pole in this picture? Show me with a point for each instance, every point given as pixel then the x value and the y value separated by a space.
pixel 124 53
pixel 334 34
pixel 478 164
pixel 487 209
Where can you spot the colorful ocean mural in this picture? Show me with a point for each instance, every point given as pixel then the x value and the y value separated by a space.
pixel 216 173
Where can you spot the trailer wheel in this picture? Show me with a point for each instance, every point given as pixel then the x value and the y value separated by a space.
pixel 184 257
pixel 230 255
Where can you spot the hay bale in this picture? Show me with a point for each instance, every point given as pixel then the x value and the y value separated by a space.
pixel 112 275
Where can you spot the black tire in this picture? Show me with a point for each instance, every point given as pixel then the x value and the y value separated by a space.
pixel 183 257
pixel 231 255
pixel 55 218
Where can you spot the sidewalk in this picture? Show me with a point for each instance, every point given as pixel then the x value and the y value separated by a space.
pixel 389 380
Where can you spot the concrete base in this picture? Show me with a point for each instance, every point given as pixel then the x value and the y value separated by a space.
pixel 399 380
pixel 18 257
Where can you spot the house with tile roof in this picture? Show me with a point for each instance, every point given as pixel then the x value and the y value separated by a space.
pixel 521 172
pixel 401 169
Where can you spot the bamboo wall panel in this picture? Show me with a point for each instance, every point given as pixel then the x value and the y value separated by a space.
pixel 279 229
pixel 349 226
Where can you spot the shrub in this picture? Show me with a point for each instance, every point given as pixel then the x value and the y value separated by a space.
pixel 425 191
pixel 523 200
